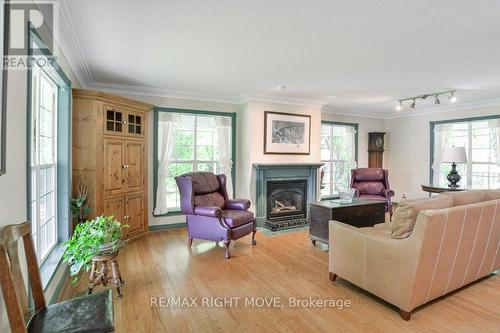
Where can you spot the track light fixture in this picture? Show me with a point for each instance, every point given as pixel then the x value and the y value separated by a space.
pixel 412 105
pixel 452 97
pixel 399 107
pixel 437 101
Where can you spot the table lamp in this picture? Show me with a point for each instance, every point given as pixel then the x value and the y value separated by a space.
pixel 454 155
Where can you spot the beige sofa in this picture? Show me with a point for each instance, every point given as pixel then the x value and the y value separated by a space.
pixel 432 247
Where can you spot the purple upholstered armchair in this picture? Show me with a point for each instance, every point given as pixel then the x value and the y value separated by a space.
pixel 372 183
pixel 210 214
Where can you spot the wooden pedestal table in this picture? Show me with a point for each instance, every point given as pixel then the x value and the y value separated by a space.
pixel 99 272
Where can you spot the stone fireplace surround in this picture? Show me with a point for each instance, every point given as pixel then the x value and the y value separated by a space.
pixel 265 172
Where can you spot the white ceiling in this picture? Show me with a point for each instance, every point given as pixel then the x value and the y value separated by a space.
pixel 354 56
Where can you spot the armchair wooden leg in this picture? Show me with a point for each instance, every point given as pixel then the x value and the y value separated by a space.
pixel 226 245
pixel 405 315
pixel 254 242
pixel 190 241
pixel 332 277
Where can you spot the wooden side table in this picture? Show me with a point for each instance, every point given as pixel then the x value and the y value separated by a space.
pixel 99 272
pixel 440 189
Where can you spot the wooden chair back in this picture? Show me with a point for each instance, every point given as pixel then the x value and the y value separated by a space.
pixel 11 279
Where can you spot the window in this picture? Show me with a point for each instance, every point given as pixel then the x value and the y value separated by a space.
pixel 189 142
pixel 49 166
pixel 43 162
pixel 339 154
pixel 481 139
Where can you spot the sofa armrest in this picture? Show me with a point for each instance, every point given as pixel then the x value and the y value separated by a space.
pixel 208 211
pixel 387 193
pixel 238 204
pixel 373 261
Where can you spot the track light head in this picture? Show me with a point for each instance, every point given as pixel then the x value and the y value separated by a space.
pixel 413 103
pixel 399 106
pixel 452 97
pixel 436 100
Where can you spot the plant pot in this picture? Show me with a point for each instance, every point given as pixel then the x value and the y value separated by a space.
pixel 110 248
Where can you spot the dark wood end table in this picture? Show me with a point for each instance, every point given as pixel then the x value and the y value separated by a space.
pixel 360 213
pixel 440 189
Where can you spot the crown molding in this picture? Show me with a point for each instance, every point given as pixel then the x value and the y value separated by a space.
pixel 339 111
pixel 72 49
pixel 267 98
pixel 136 90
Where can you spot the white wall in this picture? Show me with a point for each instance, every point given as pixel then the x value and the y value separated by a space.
pixel 408 140
pixel 366 125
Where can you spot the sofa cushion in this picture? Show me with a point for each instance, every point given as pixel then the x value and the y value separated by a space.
pixel 235 218
pixel 204 182
pixel 214 199
pixel 467 197
pixel 369 175
pixel 492 195
pixel 407 211
pixel 373 188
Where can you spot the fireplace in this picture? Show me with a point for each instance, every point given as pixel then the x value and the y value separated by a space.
pixel 286 204
pixel 282 174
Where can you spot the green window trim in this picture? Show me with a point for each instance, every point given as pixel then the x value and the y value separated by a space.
pixel 432 125
pixel 63 153
pixel 156 113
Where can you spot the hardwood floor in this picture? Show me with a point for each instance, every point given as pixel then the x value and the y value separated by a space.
pixel 160 265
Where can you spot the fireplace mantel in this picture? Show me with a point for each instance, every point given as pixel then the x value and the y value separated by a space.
pixel 286 165
pixel 265 172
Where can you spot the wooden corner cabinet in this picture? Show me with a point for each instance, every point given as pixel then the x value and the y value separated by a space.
pixel 110 152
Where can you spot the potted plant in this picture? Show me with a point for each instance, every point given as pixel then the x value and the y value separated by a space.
pixel 99 236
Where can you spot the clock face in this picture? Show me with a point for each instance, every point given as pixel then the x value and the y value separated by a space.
pixel 379 143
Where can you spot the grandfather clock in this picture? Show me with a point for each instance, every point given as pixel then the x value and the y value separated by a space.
pixel 375 149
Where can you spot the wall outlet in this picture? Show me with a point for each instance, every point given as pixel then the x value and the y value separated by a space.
pixel 404 196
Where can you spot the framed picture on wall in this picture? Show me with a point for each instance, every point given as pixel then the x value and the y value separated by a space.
pixel 287 133
pixel 4 45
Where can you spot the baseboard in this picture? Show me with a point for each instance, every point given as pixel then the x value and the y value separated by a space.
pixel 161 227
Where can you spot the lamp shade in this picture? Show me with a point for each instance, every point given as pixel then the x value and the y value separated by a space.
pixel 454 155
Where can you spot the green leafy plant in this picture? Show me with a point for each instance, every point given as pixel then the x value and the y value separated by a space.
pixel 101 235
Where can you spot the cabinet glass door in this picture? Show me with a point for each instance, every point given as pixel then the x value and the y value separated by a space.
pixel 114 121
pixel 135 124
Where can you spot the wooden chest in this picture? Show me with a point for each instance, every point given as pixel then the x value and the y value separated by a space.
pixel 360 213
